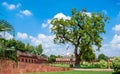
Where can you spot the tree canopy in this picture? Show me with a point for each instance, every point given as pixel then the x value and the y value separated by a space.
pixel 102 57
pixel 81 30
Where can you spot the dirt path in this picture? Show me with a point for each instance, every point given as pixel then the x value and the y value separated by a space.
pixel 93 69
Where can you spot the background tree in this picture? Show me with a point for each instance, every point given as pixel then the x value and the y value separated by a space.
pixel 82 31
pixel 43 55
pixel 102 57
pixel 16 44
pixel 52 58
pixel 29 48
pixel 38 50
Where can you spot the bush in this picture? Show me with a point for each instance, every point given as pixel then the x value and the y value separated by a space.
pixel 116 64
pixel 88 65
pixel 102 64
pixel 71 65
pixel 111 65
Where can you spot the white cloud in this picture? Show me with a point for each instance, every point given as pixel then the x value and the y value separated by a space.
pixel 42 39
pixel 49 46
pixel 22 35
pixel 6 35
pixel 88 13
pixel 116 39
pixel 112 48
pixel 11 6
pixel 26 13
pixel 116 28
pixel 46 24
pixel 59 16
pixel 62 16
pixel 34 40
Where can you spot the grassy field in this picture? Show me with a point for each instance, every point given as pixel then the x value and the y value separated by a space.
pixel 73 72
pixel 60 65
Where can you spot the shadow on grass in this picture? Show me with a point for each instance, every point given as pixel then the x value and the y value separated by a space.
pixel 116 73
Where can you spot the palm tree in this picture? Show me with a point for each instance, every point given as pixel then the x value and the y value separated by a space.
pixel 4 50
pixel 6 27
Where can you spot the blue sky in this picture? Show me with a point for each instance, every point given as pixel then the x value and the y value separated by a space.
pixel 31 20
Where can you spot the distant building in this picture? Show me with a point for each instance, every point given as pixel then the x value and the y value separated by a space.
pixel 66 60
pixel 30 58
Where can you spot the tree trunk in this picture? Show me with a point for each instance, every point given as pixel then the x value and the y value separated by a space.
pixel 77 58
pixel 77 61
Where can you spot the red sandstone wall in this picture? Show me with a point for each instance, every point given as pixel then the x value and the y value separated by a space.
pixel 25 67
pixel 10 67
pixel 7 66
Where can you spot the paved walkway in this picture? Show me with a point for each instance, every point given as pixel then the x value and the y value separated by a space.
pixel 93 69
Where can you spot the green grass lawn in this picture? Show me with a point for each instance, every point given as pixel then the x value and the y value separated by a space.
pixel 73 72
pixel 60 65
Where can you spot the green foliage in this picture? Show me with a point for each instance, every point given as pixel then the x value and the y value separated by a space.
pixel 18 45
pixel 4 50
pixel 102 64
pixel 3 42
pixel 43 55
pixel 88 55
pixel 102 57
pixel 38 50
pixel 116 64
pixel 6 27
pixel 8 53
pixel 29 48
pixel 11 54
pixel 52 58
pixel 85 64
pixel 8 48
pixel 11 43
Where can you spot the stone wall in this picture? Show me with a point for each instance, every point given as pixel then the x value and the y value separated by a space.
pixel 7 66
pixel 10 67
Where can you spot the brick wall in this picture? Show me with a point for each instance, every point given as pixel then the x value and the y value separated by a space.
pixel 10 67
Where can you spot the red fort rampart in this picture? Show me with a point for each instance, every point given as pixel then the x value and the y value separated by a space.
pixel 27 63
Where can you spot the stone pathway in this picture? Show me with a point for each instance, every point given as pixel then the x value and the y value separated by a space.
pixel 93 69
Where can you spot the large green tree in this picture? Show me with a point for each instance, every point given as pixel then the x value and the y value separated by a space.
pixel 81 30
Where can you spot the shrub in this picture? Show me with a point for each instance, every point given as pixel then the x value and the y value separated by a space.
pixel 111 65
pixel 102 64
pixel 116 64
pixel 89 65
pixel 86 63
